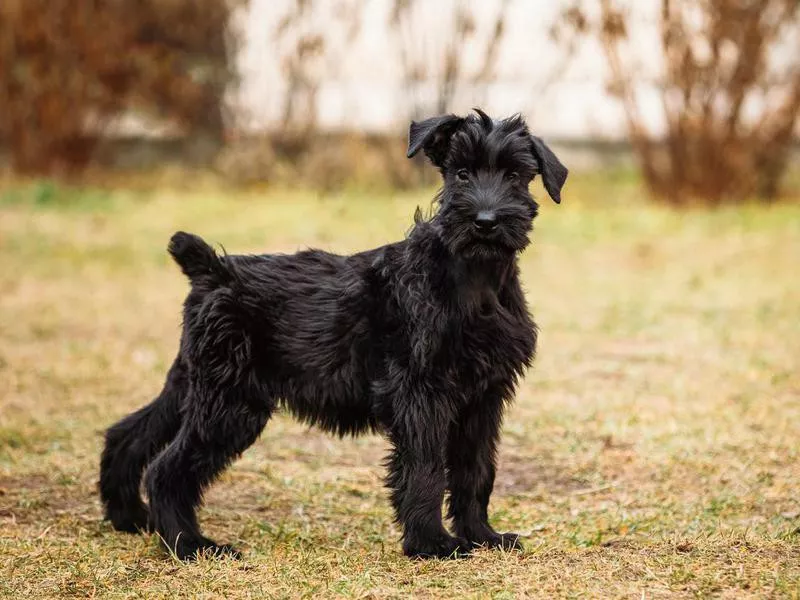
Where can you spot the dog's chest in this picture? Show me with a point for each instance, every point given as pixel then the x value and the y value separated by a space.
pixel 489 345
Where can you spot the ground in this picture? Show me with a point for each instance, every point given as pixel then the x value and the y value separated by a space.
pixel 653 450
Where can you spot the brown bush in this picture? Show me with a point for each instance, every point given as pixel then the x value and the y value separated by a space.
pixel 333 162
pixel 718 57
pixel 68 68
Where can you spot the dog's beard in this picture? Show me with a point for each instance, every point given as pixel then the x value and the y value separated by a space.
pixel 462 240
pixel 477 249
pixel 483 250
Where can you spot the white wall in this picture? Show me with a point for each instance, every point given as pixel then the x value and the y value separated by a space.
pixel 363 76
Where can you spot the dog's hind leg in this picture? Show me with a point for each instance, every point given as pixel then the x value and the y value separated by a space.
pixel 218 427
pixel 130 444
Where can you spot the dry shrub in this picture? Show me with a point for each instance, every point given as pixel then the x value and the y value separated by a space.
pixel 432 61
pixel 248 161
pixel 311 38
pixel 358 160
pixel 729 105
pixel 332 162
pixel 68 69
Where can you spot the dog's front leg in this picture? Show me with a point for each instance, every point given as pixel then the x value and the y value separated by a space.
pixel 417 480
pixel 471 460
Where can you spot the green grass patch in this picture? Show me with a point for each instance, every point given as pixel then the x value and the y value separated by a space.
pixel 652 451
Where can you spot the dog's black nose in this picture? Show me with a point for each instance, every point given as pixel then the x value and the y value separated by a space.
pixel 486 221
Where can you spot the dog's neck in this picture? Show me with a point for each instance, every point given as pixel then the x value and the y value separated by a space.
pixel 479 283
pixel 491 274
pixel 474 283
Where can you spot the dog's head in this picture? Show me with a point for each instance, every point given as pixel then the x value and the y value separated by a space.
pixel 485 208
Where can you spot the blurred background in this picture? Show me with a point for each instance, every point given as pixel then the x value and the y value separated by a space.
pixel 652 451
pixel 702 97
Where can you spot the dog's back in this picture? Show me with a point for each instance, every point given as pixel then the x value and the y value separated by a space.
pixel 306 318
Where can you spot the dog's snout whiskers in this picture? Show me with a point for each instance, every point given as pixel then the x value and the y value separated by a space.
pixel 485 221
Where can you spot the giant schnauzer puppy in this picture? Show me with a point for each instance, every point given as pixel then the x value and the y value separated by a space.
pixel 423 340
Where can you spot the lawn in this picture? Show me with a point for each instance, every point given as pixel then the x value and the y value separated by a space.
pixel 653 450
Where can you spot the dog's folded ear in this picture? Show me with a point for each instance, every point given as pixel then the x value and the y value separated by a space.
pixel 554 174
pixel 433 136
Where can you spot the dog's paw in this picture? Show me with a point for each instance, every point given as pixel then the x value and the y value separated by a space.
pixel 192 551
pixel 506 541
pixel 130 520
pixel 444 546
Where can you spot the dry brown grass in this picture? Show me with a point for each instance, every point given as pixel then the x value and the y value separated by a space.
pixel 652 452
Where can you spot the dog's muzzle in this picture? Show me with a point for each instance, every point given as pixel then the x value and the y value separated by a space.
pixel 485 222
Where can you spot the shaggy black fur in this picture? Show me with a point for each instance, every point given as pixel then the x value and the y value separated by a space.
pixel 422 340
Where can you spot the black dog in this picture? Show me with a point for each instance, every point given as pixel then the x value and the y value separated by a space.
pixel 423 340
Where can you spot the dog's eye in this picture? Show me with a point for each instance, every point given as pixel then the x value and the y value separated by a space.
pixel 462 175
pixel 512 176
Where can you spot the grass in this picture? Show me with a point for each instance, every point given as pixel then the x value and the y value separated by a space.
pixel 653 451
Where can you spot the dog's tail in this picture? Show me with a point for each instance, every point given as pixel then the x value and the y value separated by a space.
pixel 198 261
